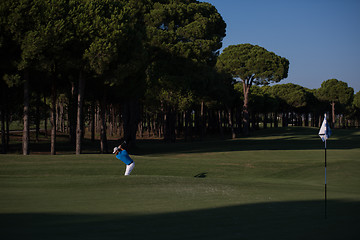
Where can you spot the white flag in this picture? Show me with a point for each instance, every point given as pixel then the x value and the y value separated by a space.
pixel 325 130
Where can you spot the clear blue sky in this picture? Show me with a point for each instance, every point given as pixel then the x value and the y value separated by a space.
pixel 320 38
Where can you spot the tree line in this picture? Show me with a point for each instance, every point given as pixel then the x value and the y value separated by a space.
pixel 129 68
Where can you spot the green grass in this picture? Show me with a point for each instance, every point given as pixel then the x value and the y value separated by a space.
pixel 268 186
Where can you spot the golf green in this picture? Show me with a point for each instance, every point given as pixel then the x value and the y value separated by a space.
pixel 268 186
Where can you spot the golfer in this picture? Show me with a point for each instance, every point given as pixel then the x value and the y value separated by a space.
pixel 123 155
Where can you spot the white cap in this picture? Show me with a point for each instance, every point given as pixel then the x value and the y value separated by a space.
pixel 115 149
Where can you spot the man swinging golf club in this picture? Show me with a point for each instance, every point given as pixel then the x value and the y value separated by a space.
pixel 123 155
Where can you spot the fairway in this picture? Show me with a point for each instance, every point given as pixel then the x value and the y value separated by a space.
pixel 268 186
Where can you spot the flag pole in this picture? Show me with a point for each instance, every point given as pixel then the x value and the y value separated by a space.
pixel 324 134
pixel 325 185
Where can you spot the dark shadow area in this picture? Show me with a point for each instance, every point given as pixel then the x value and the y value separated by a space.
pixel 201 175
pixel 273 220
pixel 290 138
pixel 284 139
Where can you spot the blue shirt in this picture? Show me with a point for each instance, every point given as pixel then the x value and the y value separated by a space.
pixel 124 156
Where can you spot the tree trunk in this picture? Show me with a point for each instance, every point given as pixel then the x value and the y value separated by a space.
pixel 316 120
pixel 37 117
pixel 149 125
pixel 265 120
pixel 169 125
pixel 26 119
pixel 79 129
pixel 72 114
pixel 3 136
pixel 61 116
pixel 113 130
pixel 3 114
pixel 341 121
pixel 130 114
pixel 53 118
pixel 230 117
pixel 186 120
pixel 252 120
pixel 333 113
pixel 180 124
pixel 246 90
pixel 92 121
pixel 238 120
pixel 276 122
pixel 103 138
pixel 46 117
pixel 7 120
pixel 284 119
pixel 220 124
pixel 202 120
pixel 97 120
pixel 306 119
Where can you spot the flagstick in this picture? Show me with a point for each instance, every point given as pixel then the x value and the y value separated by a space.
pixel 325 182
pixel 324 134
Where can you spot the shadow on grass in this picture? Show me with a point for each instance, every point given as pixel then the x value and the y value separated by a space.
pixel 290 138
pixel 273 220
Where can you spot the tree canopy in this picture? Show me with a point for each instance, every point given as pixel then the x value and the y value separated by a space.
pixel 252 64
pixel 335 92
pixel 122 66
